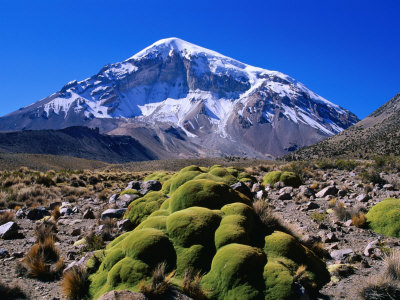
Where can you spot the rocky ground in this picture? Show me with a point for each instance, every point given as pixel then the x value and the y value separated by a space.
pixel 356 252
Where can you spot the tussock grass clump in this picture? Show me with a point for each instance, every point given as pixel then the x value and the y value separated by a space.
pixel 93 242
pixel 270 220
pixel 43 260
pixel 11 292
pixel 191 285
pixel 6 217
pixel 55 213
pixel 45 231
pixel 381 288
pixel 359 220
pixel 341 212
pixel 160 285
pixel 392 265
pixel 75 283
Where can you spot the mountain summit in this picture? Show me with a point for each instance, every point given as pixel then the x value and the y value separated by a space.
pixel 179 99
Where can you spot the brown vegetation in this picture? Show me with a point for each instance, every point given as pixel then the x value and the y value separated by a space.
pixel 75 283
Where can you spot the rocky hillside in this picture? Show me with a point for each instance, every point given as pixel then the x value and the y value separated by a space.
pixel 179 99
pixel 376 135
pixel 80 142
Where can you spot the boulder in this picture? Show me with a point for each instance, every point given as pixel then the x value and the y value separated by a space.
pixel 4 253
pixel 284 196
pixel 311 206
pixel 256 187
pixel 151 185
pixel 125 225
pixel 133 185
pixel 37 213
pixel 126 199
pixel 370 247
pixel 113 213
pixel 113 198
pixel 329 190
pixel 242 188
pixel 9 230
pixel 330 238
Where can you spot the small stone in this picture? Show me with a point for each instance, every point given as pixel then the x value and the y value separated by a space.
pixel 76 232
pixel 242 188
pixel 66 211
pixel 113 198
pixel 261 194
pixel 348 223
pixel 370 247
pixel 18 254
pixel 9 230
pixel 284 196
pixel 4 253
pixel 37 213
pixel 329 190
pixel 256 187
pixel 388 187
pixel 341 254
pixel 330 237
pixel 20 214
pixel 89 214
pixel 362 198
pixel 124 225
pixel 113 213
pixel 311 206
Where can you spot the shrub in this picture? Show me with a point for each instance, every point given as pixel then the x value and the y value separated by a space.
pixel 341 212
pixel 93 242
pixel 384 217
pixel 319 217
pixel 75 283
pixel 371 176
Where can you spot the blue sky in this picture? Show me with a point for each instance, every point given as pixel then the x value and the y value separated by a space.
pixel 346 51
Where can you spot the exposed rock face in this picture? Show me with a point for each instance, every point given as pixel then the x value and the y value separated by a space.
pixel 180 99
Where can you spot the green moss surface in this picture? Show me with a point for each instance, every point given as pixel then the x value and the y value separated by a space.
pixel 384 217
pixel 141 208
pixel 205 226
pixel 288 178
pixel 129 192
pixel 159 176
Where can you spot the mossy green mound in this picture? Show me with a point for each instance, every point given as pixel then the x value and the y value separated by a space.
pixel 141 208
pixel 159 176
pixel 384 217
pixel 204 193
pixel 288 178
pixel 129 192
pixel 205 226
pixel 236 273
pixel 285 255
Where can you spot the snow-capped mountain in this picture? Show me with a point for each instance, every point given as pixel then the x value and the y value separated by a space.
pixel 182 98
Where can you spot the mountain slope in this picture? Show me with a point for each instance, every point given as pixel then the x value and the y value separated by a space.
pixel 219 104
pixel 378 134
pixel 79 142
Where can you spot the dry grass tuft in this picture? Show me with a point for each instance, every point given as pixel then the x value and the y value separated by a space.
pixel 380 288
pixel 270 221
pixel 359 220
pixel 191 285
pixel 11 292
pixel 44 231
pixel 341 212
pixel 55 213
pixel 6 217
pixel 93 241
pixel 75 283
pixel 161 283
pixel 43 260
pixel 392 265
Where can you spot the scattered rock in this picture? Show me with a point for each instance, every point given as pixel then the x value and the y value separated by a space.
pixel 329 190
pixel 9 230
pixel 388 187
pixel 284 196
pixel 126 199
pixel 242 188
pixel 370 247
pixel 76 232
pixel 133 185
pixel 113 213
pixel 341 254
pixel 311 206
pixel 122 295
pixel 20 214
pixel 113 198
pixel 261 194
pixel 4 253
pixel 330 238
pixel 256 187
pixel 37 213
pixel 151 185
pixel 124 225
pixel 89 214
pixel 362 198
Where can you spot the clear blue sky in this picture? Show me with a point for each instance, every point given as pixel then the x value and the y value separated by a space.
pixel 346 51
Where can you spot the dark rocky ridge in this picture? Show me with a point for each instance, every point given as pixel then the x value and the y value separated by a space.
pixel 79 142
